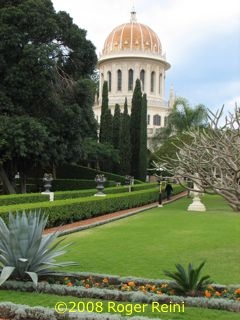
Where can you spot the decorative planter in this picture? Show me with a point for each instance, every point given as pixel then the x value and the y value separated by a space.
pixel 100 180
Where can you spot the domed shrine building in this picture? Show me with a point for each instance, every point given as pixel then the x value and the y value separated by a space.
pixel 134 51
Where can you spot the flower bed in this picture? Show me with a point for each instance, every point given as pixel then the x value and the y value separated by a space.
pixel 158 287
pixel 114 294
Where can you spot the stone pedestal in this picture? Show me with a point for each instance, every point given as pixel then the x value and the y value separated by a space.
pixel 50 194
pixel 196 205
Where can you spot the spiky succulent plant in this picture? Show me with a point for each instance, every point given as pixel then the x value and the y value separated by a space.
pixel 188 281
pixel 25 250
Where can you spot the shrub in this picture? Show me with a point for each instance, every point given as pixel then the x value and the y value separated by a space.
pixel 187 282
pixel 70 210
pixel 24 250
pixel 38 197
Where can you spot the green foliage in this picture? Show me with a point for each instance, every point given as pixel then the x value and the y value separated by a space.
pixel 73 209
pixel 13 199
pixel 170 147
pixel 125 143
pixel 188 282
pixel 81 172
pixel 116 126
pixel 183 117
pixel 46 92
pixel 23 248
pixel 143 140
pixel 105 134
pixel 135 129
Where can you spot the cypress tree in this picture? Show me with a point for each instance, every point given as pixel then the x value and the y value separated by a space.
pixel 135 129
pixel 143 140
pixel 116 126
pixel 125 143
pixel 105 134
pixel 105 126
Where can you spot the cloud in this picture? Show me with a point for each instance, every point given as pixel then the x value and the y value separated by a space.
pixel 201 39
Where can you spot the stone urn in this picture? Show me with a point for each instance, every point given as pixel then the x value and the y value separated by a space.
pixel 100 179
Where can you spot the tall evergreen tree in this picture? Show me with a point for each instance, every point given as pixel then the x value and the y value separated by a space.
pixel 135 128
pixel 105 135
pixel 125 142
pixel 143 140
pixel 116 126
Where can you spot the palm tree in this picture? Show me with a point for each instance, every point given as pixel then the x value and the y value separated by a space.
pixel 184 117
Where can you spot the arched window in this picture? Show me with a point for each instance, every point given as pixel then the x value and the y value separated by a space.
pixel 119 80
pixel 160 83
pixel 152 81
pixel 142 78
pixel 130 79
pixel 109 75
pixel 156 120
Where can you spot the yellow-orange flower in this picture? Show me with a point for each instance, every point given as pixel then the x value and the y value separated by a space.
pixel 69 284
pixel 131 283
pixel 105 280
pixel 207 294
pixel 218 294
pixel 237 291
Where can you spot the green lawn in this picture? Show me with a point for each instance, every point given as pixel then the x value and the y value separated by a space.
pixel 146 244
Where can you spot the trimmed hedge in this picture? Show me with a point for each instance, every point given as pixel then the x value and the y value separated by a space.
pixel 12 199
pixel 36 185
pixel 69 210
pixel 81 172
pixel 38 197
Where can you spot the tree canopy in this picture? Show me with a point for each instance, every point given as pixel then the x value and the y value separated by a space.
pixel 46 91
pixel 182 117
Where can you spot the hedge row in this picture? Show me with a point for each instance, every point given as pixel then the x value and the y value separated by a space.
pixel 81 172
pixel 38 197
pixel 36 185
pixel 70 210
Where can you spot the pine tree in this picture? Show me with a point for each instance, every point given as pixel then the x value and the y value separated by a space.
pixel 135 129
pixel 143 140
pixel 125 143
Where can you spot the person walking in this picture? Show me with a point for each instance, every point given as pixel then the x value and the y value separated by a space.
pixel 168 190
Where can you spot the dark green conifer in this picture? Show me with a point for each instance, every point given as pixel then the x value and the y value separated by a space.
pixel 125 143
pixel 135 128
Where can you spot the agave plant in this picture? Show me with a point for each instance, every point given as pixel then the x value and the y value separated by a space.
pixel 25 250
pixel 188 282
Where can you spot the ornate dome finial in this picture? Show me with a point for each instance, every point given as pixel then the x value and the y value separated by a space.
pixel 133 15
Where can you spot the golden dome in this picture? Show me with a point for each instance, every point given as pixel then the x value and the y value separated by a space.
pixel 132 36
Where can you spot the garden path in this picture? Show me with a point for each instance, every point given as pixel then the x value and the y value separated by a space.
pixel 103 219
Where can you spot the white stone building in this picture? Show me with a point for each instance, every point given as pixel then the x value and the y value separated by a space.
pixel 134 51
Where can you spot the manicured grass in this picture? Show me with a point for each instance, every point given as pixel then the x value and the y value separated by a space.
pixel 47 300
pixel 146 244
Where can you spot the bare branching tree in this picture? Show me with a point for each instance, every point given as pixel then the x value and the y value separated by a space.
pixel 212 160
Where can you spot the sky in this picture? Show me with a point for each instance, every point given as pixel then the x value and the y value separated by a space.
pixel 201 39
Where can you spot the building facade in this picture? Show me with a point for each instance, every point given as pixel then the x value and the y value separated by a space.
pixel 134 51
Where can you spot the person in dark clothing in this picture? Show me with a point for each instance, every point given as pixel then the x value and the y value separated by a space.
pixel 168 190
